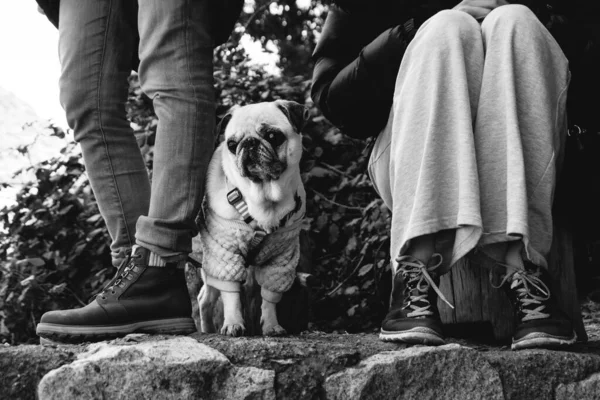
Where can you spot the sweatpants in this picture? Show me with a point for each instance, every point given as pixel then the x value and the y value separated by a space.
pixel 474 134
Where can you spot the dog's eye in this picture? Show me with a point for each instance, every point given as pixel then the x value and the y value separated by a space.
pixel 232 146
pixel 275 138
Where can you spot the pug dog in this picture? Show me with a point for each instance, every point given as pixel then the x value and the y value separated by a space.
pixel 253 212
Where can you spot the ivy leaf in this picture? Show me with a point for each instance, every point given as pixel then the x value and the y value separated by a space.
pixel 365 269
pixel 334 233
pixel 352 310
pixel 94 218
pixel 92 235
pixel 27 281
pixel 352 244
pixel 58 289
pixel 65 210
pixel 319 172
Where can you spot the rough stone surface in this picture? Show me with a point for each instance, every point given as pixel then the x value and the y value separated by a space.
pixel 305 366
pixel 247 383
pixel 445 372
pixel 534 374
pixel 176 368
pixel 22 367
pixel 301 362
pixel 587 389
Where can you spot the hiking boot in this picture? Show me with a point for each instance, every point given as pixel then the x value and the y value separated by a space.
pixel 138 299
pixel 413 316
pixel 538 320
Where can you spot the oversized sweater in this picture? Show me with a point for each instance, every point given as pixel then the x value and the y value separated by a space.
pixel 226 252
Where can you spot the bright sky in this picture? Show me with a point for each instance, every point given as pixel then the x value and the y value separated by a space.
pixel 29 64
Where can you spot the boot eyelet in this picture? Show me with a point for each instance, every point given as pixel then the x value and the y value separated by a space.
pixel 103 297
pixel 112 292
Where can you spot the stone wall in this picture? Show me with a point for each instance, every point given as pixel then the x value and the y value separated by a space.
pixel 311 366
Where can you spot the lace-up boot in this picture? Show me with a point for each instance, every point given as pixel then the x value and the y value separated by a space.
pixel 538 320
pixel 413 316
pixel 138 299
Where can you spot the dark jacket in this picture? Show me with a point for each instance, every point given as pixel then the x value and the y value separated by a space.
pixel 360 50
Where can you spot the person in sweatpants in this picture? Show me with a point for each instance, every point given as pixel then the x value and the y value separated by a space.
pixel 468 102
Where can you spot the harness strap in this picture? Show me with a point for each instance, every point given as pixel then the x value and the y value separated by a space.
pixel 235 198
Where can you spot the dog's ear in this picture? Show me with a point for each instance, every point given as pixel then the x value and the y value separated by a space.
pixel 295 112
pixel 222 124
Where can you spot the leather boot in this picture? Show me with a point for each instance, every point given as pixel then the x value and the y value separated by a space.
pixel 139 298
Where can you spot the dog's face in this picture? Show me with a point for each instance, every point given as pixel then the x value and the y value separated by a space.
pixel 263 140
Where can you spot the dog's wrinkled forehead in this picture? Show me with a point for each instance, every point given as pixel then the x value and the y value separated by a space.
pixel 261 119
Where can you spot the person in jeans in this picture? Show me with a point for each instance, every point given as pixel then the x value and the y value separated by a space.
pixel 151 224
pixel 469 104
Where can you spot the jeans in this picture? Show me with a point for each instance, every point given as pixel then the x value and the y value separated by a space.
pixel 97 43
pixel 474 135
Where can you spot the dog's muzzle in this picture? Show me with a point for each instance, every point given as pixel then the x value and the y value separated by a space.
pixel 258 162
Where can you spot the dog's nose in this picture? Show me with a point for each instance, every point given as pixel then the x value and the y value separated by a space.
pixel 251 143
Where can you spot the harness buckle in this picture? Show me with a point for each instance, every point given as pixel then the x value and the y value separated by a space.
pixel 234 196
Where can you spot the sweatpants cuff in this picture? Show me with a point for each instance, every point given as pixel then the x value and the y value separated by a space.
pixel 226 286
pixel 270 296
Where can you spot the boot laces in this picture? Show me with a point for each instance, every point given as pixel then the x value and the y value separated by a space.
pixel 531 292
pixel 123 273
pixel 418 281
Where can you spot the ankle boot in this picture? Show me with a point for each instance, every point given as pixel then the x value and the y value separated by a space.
pixel 140 298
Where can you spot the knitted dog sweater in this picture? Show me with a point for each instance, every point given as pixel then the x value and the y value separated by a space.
pixel 226 252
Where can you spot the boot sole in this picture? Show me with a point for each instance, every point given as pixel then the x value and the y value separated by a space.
pixel 420 335
pixel 94 333
pixel 542 340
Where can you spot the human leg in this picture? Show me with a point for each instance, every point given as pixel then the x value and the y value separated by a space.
pixel 520 126
pixel 148 294
pixel 423 165
pixel 96 43
pixel 176 72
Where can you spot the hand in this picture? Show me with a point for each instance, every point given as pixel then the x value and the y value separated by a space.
pixel 479 9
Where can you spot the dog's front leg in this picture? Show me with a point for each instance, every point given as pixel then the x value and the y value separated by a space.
pixel 233 319
pixel 233 324
pixel 268 319
pixel 207 301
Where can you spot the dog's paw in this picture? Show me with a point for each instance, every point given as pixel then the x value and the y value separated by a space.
pixel 275 330
pixel 234 330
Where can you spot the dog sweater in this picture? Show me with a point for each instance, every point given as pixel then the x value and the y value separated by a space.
pixel 226 252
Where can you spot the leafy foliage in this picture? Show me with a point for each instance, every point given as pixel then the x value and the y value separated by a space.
pixel 54 246
pixel 55 254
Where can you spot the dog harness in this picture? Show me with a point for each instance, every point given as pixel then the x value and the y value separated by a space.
pixel 235 198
